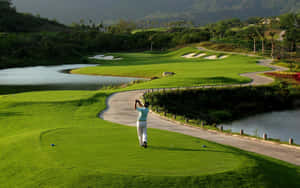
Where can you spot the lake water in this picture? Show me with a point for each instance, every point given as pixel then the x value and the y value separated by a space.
pixel 53 77
pixel 278 125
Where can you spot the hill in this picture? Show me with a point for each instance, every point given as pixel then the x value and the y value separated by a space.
pixel 198 11
pixel 12 21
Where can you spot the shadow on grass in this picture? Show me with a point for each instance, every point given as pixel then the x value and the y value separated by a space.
pixel 273 172
pixel 8 114
pixel 221 79
pixel 79 102
pixel 12 89
pixel 187 149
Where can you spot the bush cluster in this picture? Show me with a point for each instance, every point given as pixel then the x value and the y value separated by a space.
pixel 221 105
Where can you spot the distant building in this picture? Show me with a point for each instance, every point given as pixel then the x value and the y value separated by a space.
pixel 266 21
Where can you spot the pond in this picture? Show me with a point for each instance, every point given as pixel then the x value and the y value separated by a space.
pixel 57 78
pixel 278 125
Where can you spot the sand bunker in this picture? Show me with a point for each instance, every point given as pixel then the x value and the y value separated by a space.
pixel 200 55
pixel 189 55
pixel 193 55
pixel 102 57
pixel 211 57
pixel 223 57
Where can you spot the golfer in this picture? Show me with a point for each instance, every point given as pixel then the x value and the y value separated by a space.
pixel 142 122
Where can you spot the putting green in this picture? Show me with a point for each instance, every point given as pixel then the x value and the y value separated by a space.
pixel 115 150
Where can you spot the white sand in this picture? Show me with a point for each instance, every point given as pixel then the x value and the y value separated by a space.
pixel 211 57
pixel 102 57
pixel 189 55
pixel 223 57
pixel 200 55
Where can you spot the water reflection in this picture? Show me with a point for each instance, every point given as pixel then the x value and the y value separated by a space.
pixel 53 78
pixel 278 125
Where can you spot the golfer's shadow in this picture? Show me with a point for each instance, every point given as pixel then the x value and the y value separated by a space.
pixel 186 149
pixel 8 114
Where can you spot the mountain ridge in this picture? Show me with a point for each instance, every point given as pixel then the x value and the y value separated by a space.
pixel 198 11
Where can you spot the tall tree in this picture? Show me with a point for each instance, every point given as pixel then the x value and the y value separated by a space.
pixel 253 35
pixel 272 34
pixel 261 34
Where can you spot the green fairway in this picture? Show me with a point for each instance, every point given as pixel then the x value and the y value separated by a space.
pixel 189 72
pixel 90 152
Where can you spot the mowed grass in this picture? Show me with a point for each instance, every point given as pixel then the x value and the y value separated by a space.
pixel 189 72
pixel 90 152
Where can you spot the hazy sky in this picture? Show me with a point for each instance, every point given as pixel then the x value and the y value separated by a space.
pixel 66 11
pixel 69 11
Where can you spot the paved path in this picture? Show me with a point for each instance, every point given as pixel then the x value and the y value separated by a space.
pixel 121 110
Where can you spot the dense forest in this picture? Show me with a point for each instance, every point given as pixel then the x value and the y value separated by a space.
pixel 12 21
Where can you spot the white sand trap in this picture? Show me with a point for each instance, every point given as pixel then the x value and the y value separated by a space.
pixel 200 55
pixel 189 55
pixel 211 57
pixel 102 57
pixel 223 57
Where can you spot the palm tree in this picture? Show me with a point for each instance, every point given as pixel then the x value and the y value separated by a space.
pixel 151 42
pixel 262 36
pixel 252 34
pixel 272 34
pixel 254 43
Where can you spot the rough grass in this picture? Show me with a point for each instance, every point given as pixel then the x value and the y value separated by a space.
pixel 159 29
pixel 189 72
pixel 224 47
pixel 90 152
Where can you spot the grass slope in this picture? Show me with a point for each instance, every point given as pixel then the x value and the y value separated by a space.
pixel 189 72
pixel 91 152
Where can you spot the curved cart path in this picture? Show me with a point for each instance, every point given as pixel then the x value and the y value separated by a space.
pixel 120 110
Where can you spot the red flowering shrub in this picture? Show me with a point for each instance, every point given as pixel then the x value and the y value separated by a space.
pixel 298 76
pixel 295 76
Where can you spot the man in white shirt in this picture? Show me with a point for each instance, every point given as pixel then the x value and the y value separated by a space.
pixel 142 122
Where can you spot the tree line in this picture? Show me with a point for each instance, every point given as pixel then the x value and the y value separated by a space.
pixel 260 34
pixel 223 105
pixel 26 49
